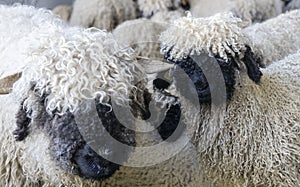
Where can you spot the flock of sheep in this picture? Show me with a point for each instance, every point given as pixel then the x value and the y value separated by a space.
pixel 99 51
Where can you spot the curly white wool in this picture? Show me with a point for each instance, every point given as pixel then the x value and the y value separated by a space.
pixel 275 38
pixel 102 14
pixel 219 34
pixel 69 64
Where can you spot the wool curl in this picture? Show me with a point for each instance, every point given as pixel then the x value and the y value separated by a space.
pixel 270 41
pixel 102 14
pixel 219 34
pixel 87 66
pixel 70 64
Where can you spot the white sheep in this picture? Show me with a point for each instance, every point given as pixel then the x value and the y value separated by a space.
pixel 63 11
pixel 253 138
pixel 142 34
pixel 64 66
pixel 250 11
pixel 102 14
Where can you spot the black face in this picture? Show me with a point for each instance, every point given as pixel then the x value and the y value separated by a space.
pixel 201 84
pixel 67 146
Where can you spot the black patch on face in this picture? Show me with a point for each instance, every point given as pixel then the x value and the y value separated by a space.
pixel 22 122
pixel 200 82
pixel 161 84
pixel 67 146
pixel 172 116
pixel 92 166
pixel 170 124
pixel 252 66
pixel 185 4
pixel 70 149
pixel 286 2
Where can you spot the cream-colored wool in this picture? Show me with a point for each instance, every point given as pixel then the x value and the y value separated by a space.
pixel 58 57
pixel 213 35
pixel 102 14
pixel 250 11
pixel 142 35
pixel 28 163
pixel 276 37
pixel 63 11
pixel 167 16
pixel 258 144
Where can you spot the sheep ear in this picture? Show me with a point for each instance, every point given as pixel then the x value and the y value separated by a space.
pixel 154 66
pixel 252 66
pixel 6 83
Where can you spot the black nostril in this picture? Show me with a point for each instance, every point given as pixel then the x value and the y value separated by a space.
pixel 93 166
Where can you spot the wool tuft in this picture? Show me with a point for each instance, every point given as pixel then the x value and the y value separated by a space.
pixel 216 35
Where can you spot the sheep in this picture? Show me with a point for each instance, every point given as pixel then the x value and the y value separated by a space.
pixel 271 42
pixel 250 11
pixel 64 11
pixel 151 7
pixel 142 34
pixel 252 138
pixel 102 14
pixel 63 67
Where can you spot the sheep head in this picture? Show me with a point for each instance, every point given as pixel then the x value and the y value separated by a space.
pixel 65 74
pixel 214 38
pixel 60 77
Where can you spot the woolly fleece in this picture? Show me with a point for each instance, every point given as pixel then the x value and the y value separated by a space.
pixel 102 14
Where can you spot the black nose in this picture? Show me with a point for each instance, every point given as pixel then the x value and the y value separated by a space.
pixel 93 166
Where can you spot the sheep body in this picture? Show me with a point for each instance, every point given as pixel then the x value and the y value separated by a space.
pixel 271 42
pixel 253 138
pixel 142 34
pixel 258 142
pixel 102 14
pixel 250 11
